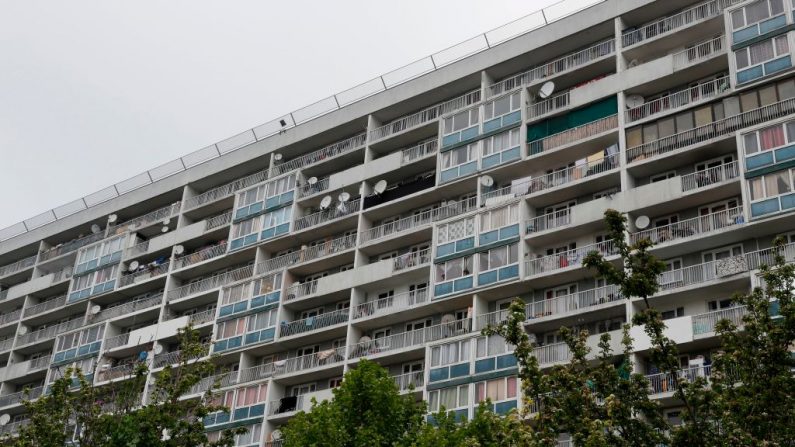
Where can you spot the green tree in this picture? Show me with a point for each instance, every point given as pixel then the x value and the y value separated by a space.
pixel 486 429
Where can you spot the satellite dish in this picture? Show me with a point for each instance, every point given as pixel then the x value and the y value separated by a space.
pixel 5 419
pixel 166 221
pixel 365 341
pixel 448 318
pixel 133 266
pixel 22 330
pixel 276 435
pixel 179 249
pixel 380 187
pixel 158 349
pixel 325 203
pixel 113 218
pixel 95 309
pixel 312 180
pixel 95 229
pixel 642 222
pixel 635 101
pixel 546 90
pixel 277 157
pixel 341 207
pixel 633 63
pixel 487 181
pixel 164 230
pixel 344 196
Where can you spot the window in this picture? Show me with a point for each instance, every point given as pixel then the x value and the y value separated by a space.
pixel 252 436
pixel 673 313
pixel 453 269
pixel 757 54
pixel 277 217
pixel 100 276
pixel 459 155
pixel 231 328
pixel 501 106
pixel 770 185
pixel 245 291
pixel 496 390
pixel 498 257
pixel 251 196
pixel 719 304
pixel 281 185
pixel 498 218
pixel 456 230
pixel 246 227
pixel 251 395
pixel 450 353
pixel 461 121
pixel 491 346
pixel 772 137
pixel 335 382
pixel 448 398
pixel 663 176
pixel 262 320
pixel 756 12
pixel 500 142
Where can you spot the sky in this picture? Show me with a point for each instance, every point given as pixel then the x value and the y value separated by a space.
pixel 95 92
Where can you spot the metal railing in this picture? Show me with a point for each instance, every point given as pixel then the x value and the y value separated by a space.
pixel 45 306
pixel 691 227
pixel 49 332
pixel 6 344
pixel 128 308
pixel 701 273
pixel 556 67
pixel 410 260
pixel 425 115
pixel 174 357
pixel 137 249
pixel 668 383
pixel 222 380
pixel 226 190
pixel 332 150
pixel 710 176
pixel 549 105
pixel 10 317
pixel 391 304
pixel 419 151
pixel 310 189
pixel 707 132
pixel 116 372
pixel 70 246
pixel 422 219
pixel 13 427
pixel 568 258
pixel 408 381
pixel 255 373
pixel 39 363
pixel 147 219
pixel 213 282
pixel 679 99
pixel 699 52
pixel 17 266
pixel 549 221
pixel 306 254
pixel 323 358
pixel 218 221
pixel 200 256
pixel 15 398
pixel 578 301
pixel 410 339
pixel 574 134
pixel 203 317
pixel 552 353
pixel 146 273
pixel 275 406
pixel 672 23
pixel 767 256
pixel 327 215
pixel 705 323
pixel 300 290
pixel 117 341
pixel 313 323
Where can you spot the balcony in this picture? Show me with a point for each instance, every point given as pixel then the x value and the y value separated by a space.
pixel 314 323
pixel 720 128
pixel 137 249
pixel 421 220
pixel 18 266
pixel 574 135
pixel 68 247
pixel 218 221
pixel 699 53
pixel 45 306
pixel 10 317
pixel 307 254
pixel 49 332
pixel 427 115
pixel 221 380
pixel 664 383
pixel 411 260
pixel 18 397
pixel 310 189
pixel 115 372
pixel 6 344
pixel 574 303
pixel 213 282
pixel 549 221
pixel 688 228
pixel 256 373
pixel 704 324
pixel 147 219
pixel 567 259
pixel 711 176
pixel 402 189
pixel 320 359
pixel 679 100
pixel 175 357
pixel 320 155
pixel 391 304
pixel 327 215
pixel 13 427
pixel 226 190
pixel 552 354
pixel 410 381
pixel 201 318
pixel 698 274
pixel 202 255
pixel 549 105
pixel 145 273
pixel 419 151
pixel 128 308
pixel 411 339
pixel 671 24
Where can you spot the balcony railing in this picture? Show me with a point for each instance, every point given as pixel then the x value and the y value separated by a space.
pixel 579 301
pixel 320 155
pixel 6 344
pixel 568 258
pixel 39 363
pixel 701 273
pixel 116 372
pixel 670 24
pixel 327 357
pixel 410 260
pixel 711 176
pixel 213 282
pixel 68 247
pixel 324 216
pixel 300 290
pixel 200 256
pixel 424 218
pixel 116 341
pixel 423 116
pixel 147 219
pixel 45 306
pixel 226 190
pixel 19 396
pixel 408 381
pixel 391 304
pixel 552 353
pixel 128 308
pixel 222 380
pixel 419 151
pixel 767 256
pixel 275 406
pixel 679 99
pixel 668 383
pixel 724 127
pixel 699 53
pixel 705 323
pixel 13 427
pixel 691 227
pixel 410 339
pixel 137 249
pixel 49 332
pixel 218 221
pixel 17 266
pixel 549 221
pixel 174 357
pixel 307 254
pixel 556 67
pixel 549 105
pixel 310 189
pixel 203 317
pixel 314 323
pixel 144 274
pixel 255 373
pixel 10 317
pixel 574 134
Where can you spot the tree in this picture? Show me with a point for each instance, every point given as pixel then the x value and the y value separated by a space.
pixel 486 429
pixel 367 410
pixel 112 416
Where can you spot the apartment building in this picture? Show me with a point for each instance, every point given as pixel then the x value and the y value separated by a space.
pixel 398 221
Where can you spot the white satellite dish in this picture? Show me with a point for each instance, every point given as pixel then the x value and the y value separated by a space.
pixel 635 101
pixel 158 349
pixel 448 318
pixel 5 419
pixel 365 341
pixel 113 218
pixel 277 157
pixel 164 230
pixel 546 90
pixel 166 221
pixel 312 180
pixel 342 208
pixel 133 266
pixel 344 196
pixel 179 249
pixel 95 309
pixel 487 181
pixel 276 435
pixel 380 187
pixel 325 203
pixel 642 222
pixel 633 63
pixel 22 330
pixel 95 229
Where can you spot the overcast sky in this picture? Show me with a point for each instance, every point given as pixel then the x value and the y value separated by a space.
pixel 95 92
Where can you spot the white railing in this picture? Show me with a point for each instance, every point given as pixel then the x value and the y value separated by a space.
pixel 699 52
pixel 691 227
pixel 312 189
pixel 144 274
pixel 552 353
pixel 128 308
pixel 15 398
pixel 275 406
pixel 672 23
pixel 116 372
pixel 574 134
pixel 419 151
pixel 137 249
pixel 17 266
pixel 679 99
pixel 549 221
pixel 39 363
pixel 117 341
pixel 558 66
pixel 332 150
pixel 767 256
pixel 391 304
pixel 313 323
pixel 9 317
pixel 255 373
pixel 226 190
pixel 423 116
pixel 147 219
pixel 410 339
pixel 413 259
pixel 701 273
pixel 200 318
pixel 668 383
pixel 218 221
pixel 222 380
pixel 331 247
pixel 422 219
pixel 13 427
pixel 333 213
pixel 710 176
pixel 727 126
pixel 323 358
pixel 575 302
pixel 68 247
pixel 200 256
pixel 568 258
pixel 705 323
pixel 213 282
pixel 408 381
pixel 45 306
pixel 173 357
pixel 49 332
pixel 549 105
pixel 300 290
pixel 6 344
